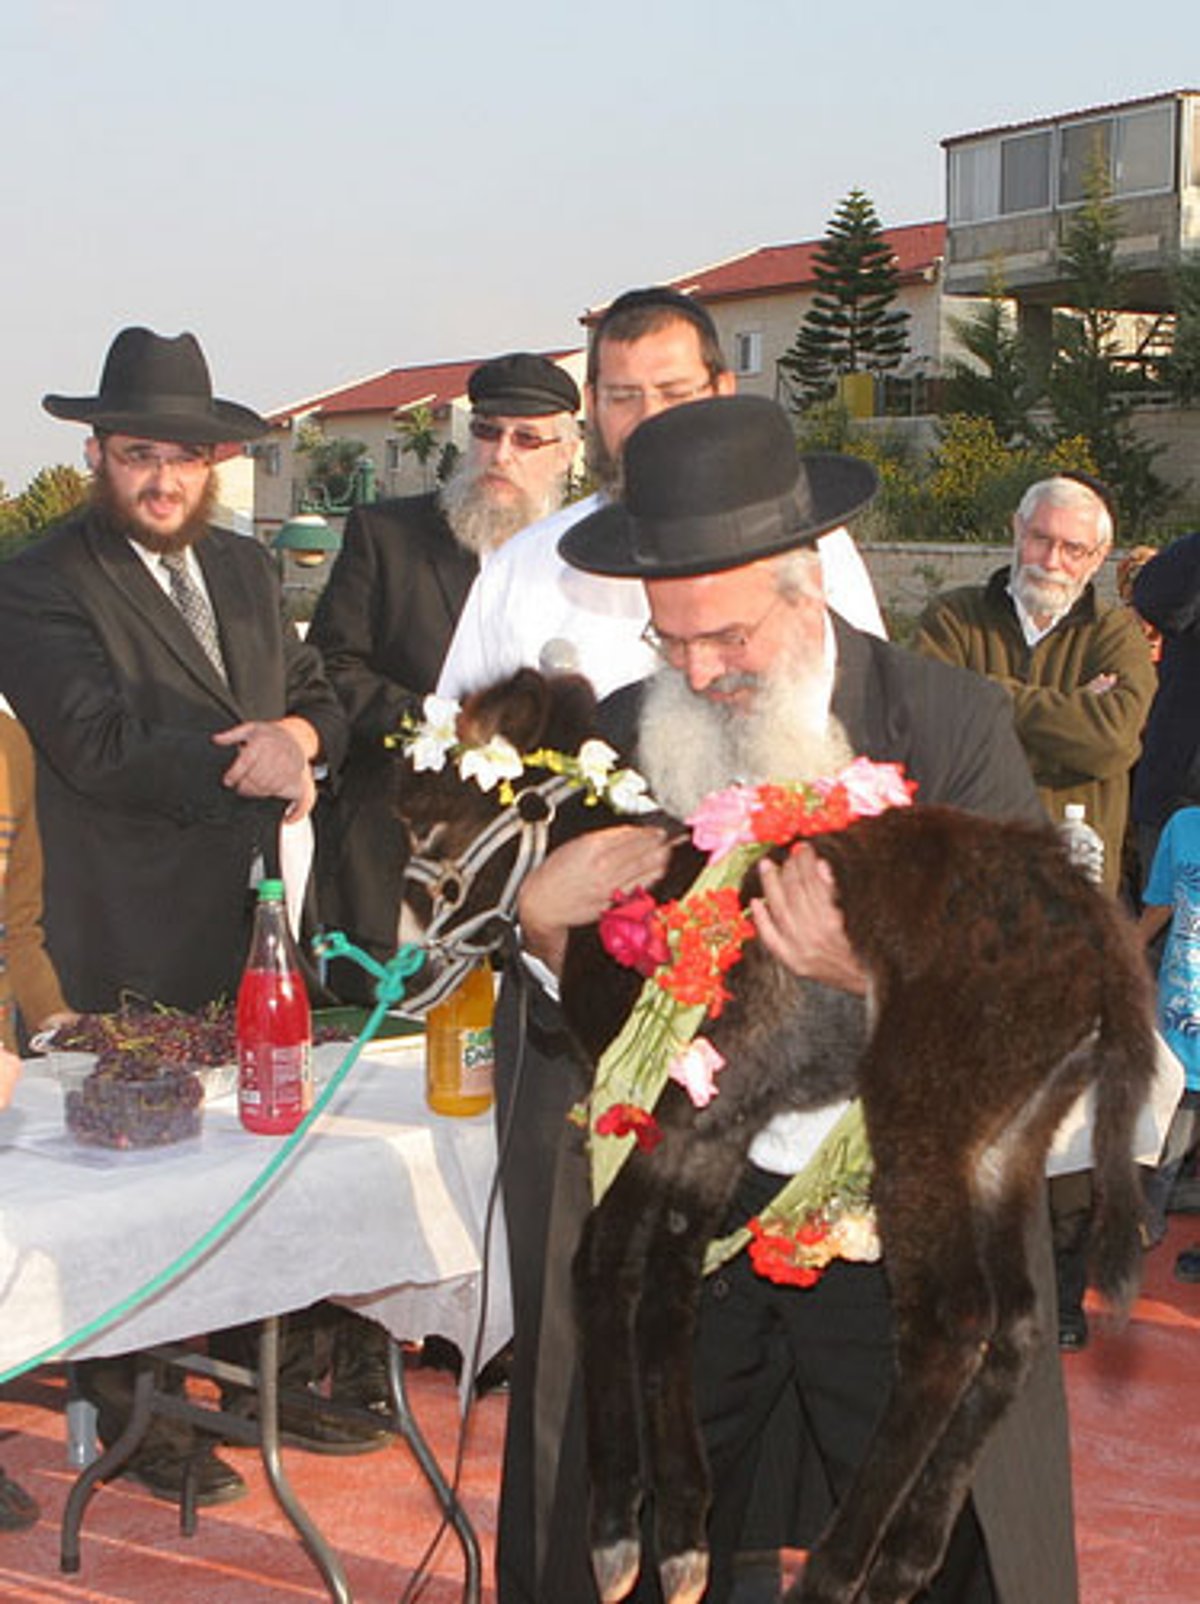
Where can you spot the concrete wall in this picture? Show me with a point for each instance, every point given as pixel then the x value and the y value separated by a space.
pixel 907 576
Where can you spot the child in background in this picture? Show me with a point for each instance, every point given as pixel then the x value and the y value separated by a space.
pixel 1173 893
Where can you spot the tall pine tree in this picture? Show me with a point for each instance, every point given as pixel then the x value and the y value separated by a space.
pixel 852 326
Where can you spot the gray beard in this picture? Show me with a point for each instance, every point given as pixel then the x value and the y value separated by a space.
pixel 481 523
pixel 689 747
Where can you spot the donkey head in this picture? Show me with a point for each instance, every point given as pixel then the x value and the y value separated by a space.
pixel 473 834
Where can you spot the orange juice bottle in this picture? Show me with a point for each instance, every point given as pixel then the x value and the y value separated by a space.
pixel 459 1057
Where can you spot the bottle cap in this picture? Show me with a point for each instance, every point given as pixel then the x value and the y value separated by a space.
pixel 1074 812
pixel 270 890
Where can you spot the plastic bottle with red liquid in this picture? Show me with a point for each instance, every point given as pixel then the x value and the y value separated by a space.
pixel 274 1025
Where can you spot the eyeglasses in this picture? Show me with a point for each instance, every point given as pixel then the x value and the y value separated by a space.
pixel 625 397
pixel 725 643
pixel 523 439
pixel 152 459
pixel 1073 550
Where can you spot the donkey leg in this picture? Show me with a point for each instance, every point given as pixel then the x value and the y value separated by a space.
pixel 608 1274
pixel 677 1466
pixel 915 1544
pixel 943 1318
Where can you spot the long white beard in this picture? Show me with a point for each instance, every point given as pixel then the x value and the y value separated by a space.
pixel 481 521
pixel 689 747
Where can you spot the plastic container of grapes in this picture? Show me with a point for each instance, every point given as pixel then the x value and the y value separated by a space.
pixel 157 1107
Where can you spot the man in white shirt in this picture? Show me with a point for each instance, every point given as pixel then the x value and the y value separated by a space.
pixel 652 349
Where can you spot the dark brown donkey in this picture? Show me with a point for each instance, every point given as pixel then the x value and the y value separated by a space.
pixel 1001 986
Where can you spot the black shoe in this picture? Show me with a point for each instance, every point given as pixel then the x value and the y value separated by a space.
pixel 18 1510
pixel 496 1374
pixel 161 1472
pixel 1187 1265
pixel 1072 1330
pixel 306 1424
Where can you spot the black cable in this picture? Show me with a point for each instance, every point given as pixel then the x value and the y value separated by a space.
pixel 512 963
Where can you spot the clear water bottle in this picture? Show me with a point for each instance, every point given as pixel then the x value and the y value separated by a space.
pixel 274 1025
pixel 1084 846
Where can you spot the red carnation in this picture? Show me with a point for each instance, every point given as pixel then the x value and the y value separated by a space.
pixel 632 933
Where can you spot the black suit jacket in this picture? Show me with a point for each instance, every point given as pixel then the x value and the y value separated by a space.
pixel 148 854
pixel 382 625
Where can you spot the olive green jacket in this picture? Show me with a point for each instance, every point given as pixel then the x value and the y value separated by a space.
pixel 1081 745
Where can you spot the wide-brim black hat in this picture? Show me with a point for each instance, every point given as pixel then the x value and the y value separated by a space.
pixel 716 484
pixel 158 388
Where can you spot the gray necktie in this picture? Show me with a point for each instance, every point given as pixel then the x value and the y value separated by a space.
pixel 194 605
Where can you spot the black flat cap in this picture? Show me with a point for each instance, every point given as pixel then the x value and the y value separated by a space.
pixel 716 484
pixel 522 385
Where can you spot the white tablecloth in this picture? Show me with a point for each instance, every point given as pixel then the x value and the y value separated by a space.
pixel 382 1206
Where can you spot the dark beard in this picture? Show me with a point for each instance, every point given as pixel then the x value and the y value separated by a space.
pixel 603 468
pixel 105 504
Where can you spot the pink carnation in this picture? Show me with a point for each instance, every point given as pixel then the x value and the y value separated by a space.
pixel 724 820
pixel 872 788
pixel 695 1069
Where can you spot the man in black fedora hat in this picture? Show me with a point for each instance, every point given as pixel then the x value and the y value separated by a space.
pixel 758 680
pixel 176 719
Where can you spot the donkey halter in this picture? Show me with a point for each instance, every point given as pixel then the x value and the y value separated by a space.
pixel 528 818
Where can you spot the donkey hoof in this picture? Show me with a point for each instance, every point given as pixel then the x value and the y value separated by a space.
pixel 616 1569
pixel 684 1577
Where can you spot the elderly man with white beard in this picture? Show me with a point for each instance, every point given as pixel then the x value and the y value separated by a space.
pixel 758 680
pixel 1080 678
pixel 386 616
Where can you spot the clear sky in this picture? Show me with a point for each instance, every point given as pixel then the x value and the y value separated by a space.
pixel 322 191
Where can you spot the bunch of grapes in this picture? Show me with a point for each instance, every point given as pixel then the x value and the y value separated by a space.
pixel 133 1098
pixel 167 1034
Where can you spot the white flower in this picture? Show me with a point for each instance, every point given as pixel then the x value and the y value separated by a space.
pixel 854 1236
pixel 626 793
pixel 487 765
pixel 596 759
pixel 436 736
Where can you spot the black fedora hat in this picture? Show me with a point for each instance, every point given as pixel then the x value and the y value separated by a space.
pixel 158 388
pixel 716 484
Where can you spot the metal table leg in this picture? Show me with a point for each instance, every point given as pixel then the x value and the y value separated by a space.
pixel 405 1425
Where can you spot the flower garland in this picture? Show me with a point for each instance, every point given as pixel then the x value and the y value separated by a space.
pixel 431 741
pixel 685 950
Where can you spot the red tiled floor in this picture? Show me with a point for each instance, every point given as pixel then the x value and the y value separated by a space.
pixel 1136 1443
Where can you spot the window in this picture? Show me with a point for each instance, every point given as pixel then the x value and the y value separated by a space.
pixel 974 179
pixel 1145 150
pixel 1025 173
pixel 1084 147
pixel 747 352
pixel 393 456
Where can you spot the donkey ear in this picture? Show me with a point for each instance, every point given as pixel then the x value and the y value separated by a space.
pixel 515 708
pixel 570 714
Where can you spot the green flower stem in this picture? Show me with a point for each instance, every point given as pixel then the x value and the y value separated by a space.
pixel 838 1172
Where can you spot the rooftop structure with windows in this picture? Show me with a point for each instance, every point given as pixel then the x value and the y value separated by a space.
pixel 1011 193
